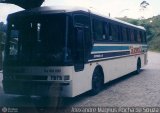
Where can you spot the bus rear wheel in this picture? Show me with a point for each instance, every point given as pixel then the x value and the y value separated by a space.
pixel 138 67
pixel 97 82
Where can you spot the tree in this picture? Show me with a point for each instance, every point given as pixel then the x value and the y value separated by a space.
pixel 144 4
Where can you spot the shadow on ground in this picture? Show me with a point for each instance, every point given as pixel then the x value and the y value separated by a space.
pixel 71 101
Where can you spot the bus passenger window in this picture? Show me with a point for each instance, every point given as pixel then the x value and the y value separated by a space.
pixel 132 36
pixel 124 34
pixel 81 19
pixel 139 37
pixel 110 32
pixel 98 30
pixel 144 37
pixel 114 29
pixel 106 31
pixel 128 34
pixel 135 36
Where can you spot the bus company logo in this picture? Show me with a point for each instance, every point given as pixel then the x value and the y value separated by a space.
pixel 4 110
pixel 135 50
pixel 98 56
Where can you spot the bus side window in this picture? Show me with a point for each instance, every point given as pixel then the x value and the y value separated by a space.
pixel 81 19
pixel 132 36
pixel 97 30
pixel 124 34
pixel 128 34
pixel 144 36
pixel 106 31
pixel 80 47
pixel 119 33
pixel 115 32
pixel 110 31
pixel 139 37
pixel 135 36
pixel 84 21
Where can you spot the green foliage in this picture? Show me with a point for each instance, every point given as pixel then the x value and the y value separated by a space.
pixel 130 20
pixel 154 44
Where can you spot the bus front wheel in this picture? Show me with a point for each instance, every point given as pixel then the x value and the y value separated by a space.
pixel 97 81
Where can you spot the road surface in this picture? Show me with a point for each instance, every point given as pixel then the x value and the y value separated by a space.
pixel 141 90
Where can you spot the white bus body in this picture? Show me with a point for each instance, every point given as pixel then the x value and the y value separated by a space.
pixel 115 60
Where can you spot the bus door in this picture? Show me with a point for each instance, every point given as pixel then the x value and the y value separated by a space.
pixel 80 49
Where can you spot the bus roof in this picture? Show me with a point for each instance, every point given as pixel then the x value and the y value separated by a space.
pixel 65 9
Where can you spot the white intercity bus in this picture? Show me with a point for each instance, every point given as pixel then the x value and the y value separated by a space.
pixel 69 51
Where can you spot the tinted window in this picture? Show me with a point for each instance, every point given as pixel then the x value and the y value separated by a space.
pixel 98 30
pixel 110 31
pixel 35 40
pixel 128 34
pixel 139 37
pixel 113 32
pixel 85 22
pixel 81 19
pixel 106 31
pixel 144 37
pixel 132 36
pixel 135 35
pixel 124 34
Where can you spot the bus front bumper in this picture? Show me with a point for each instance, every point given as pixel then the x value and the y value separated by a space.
pixel 37 88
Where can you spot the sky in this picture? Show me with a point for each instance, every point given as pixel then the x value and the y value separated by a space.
pixel 116 8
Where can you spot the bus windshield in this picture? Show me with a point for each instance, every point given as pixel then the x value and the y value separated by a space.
pixel 37 40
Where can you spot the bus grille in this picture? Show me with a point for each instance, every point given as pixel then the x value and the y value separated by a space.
pixel 29 77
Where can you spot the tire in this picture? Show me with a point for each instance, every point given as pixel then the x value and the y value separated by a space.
pixel 97 82
pixel 138 70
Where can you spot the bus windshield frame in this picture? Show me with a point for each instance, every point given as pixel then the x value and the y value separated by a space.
pixel 37 40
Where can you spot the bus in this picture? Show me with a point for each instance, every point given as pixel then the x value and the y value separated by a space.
pixel 67 51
